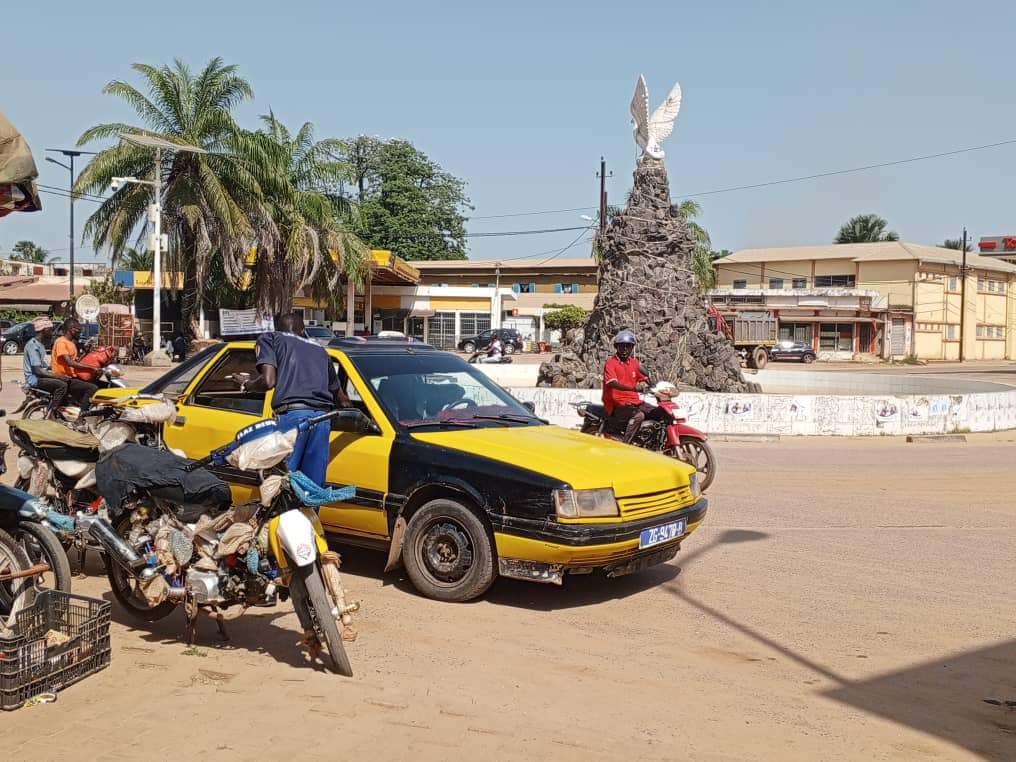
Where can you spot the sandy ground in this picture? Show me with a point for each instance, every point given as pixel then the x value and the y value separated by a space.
pixel 845 599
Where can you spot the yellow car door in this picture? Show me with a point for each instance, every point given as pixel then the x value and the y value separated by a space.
pixel 360 460
pixel 212 409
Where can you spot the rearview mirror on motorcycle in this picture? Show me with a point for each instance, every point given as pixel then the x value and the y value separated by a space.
pixel 351 420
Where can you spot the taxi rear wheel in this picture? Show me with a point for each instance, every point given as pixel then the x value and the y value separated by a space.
pixel 448 552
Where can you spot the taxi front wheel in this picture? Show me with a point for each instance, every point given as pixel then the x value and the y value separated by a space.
pixel 448 552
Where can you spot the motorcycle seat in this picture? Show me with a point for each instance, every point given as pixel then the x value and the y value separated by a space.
pixel 83 454
pixel 34 391
pixel 598 410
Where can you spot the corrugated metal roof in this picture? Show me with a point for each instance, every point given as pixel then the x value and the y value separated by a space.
pixel 882 251
pixel 39 292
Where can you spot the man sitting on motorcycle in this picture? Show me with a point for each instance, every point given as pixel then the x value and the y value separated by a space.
pixel 494 351
pixel 65 363
pixel 622 376
pixel 37 372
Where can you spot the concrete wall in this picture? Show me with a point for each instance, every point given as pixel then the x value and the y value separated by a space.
pixel 810 403
pixel 810 415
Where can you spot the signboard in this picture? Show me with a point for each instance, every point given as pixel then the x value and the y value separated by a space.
pixel 997 246
pixel 236 322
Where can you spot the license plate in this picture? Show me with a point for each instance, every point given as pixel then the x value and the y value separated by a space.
pixel 662 533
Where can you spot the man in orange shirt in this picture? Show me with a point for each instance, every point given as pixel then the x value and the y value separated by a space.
pixel 65 363
pixel 622 374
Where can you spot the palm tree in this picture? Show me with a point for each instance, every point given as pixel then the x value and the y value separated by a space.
pixel 865 228
pixel 132 259
pixel 701 258
pixel 956 243
pixel 309 240
pixel 210 202
pixel 31 252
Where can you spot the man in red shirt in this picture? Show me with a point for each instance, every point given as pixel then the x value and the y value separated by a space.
pixel 622 374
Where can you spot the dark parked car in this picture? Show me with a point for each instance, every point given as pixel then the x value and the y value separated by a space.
pixel 15 337
pixel 319 333
pixel 792 350
pixel 511 338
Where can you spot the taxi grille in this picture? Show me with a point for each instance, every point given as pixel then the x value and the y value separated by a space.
pixel 641 506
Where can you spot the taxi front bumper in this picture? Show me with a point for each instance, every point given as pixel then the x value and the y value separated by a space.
pixel 545 551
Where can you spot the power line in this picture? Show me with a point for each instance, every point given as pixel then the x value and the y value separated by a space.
pixel 497 234
pixel 562 251
pixel 768 183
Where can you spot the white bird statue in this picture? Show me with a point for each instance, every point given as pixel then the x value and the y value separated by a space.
pixel 651 131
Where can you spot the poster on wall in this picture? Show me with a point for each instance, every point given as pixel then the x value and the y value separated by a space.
pixel 237 322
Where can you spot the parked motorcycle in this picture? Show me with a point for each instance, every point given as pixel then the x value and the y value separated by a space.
pixel 161 555
pixel 17 572
pixel 478 358
pixel 666 431
pixel 59 463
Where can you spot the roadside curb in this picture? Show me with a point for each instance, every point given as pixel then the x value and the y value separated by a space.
pixel 744 437
pixel 935 438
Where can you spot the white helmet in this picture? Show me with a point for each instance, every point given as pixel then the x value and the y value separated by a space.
pixel 664 388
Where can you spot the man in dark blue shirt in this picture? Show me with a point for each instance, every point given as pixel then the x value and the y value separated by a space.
pixel 303 377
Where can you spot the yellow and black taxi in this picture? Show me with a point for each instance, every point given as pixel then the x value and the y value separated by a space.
pixel 455 479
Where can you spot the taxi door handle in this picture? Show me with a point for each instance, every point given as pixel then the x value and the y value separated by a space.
pixel 180 420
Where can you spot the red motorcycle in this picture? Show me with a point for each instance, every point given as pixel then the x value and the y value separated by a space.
pixel 664 430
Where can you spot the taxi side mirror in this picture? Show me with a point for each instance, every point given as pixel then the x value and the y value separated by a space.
pixel 351 420
pixel 530 406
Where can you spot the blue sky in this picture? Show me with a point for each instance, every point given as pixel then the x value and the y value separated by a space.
pixel 521 99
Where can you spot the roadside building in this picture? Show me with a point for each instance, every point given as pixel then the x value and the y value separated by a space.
pixel 890 299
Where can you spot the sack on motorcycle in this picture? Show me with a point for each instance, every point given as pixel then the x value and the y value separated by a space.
pixel 132 468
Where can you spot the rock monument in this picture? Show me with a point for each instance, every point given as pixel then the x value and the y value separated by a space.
pixel 646 283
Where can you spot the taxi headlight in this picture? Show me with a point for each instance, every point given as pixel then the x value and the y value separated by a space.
pixel 585 503
pixel 694 485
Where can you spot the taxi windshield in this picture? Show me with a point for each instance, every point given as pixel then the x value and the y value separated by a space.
pixel 437 389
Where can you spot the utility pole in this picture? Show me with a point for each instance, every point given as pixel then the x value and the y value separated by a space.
pixel 603 194
pixel 70 155
pixel 963 296
pixel 156 212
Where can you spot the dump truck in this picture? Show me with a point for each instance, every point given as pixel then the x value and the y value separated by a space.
pixel 752 333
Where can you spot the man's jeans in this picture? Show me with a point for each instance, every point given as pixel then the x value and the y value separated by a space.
pixel 310 451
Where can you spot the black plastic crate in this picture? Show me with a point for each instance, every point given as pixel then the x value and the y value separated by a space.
pixel 29 666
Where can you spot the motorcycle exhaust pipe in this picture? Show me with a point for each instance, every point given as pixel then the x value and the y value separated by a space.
pixel 102 532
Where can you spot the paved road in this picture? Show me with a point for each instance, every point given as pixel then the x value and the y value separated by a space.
pixel 846 599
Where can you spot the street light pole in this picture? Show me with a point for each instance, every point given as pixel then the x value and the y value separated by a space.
pixel 963 296
pixel 70 155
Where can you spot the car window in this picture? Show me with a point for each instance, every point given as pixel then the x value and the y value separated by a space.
pixel 421 389
pixel 484 335
pixel 175 382
pixel 318 331
pixel 218 391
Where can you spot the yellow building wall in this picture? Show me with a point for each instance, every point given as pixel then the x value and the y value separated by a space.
pixel 472 303
pixel 788 271
pixel 928 346
pixel 728 272
pixel 845 266
pixel 991 308
pixel 931 306
pixel 894 280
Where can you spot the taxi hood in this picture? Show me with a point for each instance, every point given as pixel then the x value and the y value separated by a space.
pixel 582 460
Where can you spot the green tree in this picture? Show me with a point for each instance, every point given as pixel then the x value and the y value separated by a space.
pixel 209 201
pixel 29 251
pixel 409 204
pixel 139 261
pixel 701 258
pixel 107 291
pixel 865 228
pixel 564 317
pixel 956 244
pixel 307 240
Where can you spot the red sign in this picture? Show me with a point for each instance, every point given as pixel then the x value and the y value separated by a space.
pixel 987 244
pixel 1009 242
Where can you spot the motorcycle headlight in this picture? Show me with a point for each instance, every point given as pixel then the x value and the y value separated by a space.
pixel 693 484
pixel 585 503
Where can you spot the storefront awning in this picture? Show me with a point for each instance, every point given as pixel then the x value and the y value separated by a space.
pixel 421 313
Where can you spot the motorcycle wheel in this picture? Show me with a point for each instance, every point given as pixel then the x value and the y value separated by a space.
pixel 697 453
pixel 43 546
pixel 126 588
pixel 35 411
pixel 309 591
pixel 15 594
